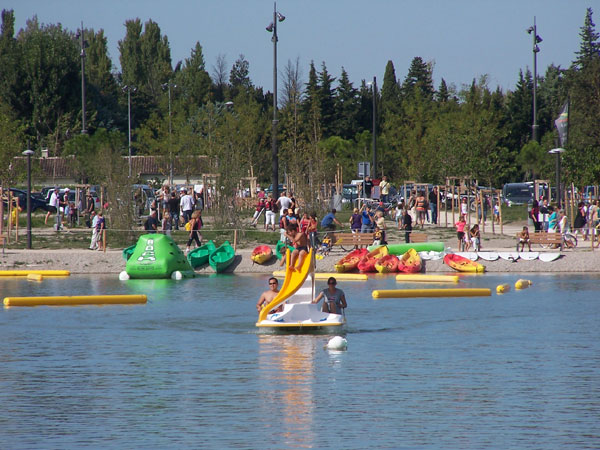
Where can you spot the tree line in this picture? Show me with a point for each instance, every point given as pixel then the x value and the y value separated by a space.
pixel 424 132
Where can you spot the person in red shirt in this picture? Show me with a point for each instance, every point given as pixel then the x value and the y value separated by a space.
pixel 460 232
pixel 260 207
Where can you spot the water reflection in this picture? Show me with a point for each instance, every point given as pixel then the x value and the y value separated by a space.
pixel 286 363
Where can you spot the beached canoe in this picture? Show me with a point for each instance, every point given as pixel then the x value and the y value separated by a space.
pixel 280 249
pixel 462 264
pixel 351 260
pixel 387 264
pixel 410 262
pixel 199 256
pixel 367 263
pixel 222 257
pixel 261 254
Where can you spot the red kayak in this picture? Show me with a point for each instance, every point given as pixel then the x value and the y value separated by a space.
pixel 351 260
pixel 410 262
pixel 261 254
pixel 387 264
pixel 367 264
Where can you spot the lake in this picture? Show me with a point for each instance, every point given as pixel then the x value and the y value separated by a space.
pixel 190 370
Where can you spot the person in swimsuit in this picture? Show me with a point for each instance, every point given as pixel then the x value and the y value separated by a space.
pixel 335 299
pixel 300 243
pixel 268 296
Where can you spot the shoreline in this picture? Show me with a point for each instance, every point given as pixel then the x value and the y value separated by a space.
pixel 88 262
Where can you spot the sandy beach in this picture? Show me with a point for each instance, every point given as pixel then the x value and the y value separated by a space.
pixel 83 261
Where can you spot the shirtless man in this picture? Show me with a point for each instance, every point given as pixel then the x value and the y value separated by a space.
pixel 268 296
pixel 300 243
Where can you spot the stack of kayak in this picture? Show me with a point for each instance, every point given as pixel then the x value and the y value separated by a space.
pixel 351 260
pixel 381 259
pixel 219 258
pixel 367 263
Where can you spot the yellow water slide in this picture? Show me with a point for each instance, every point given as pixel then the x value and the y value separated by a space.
pixel 292 282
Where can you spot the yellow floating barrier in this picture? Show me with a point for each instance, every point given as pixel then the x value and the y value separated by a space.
pixel 337 276
pixel 502 288
pixel 24 273
pixel 523 284
pixel 428 278
pixel 35 277
pixel 75 300
pixel 412 293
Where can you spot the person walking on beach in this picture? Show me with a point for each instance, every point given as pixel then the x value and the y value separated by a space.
pixel 53 204
pixel 460 232
pixel 335 299
pixel 406 225
pixel 100 227
pixel 270 213
pixel 187 205
pixel 195 227
pixel 268 296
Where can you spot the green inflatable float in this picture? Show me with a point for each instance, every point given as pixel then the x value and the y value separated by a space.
pixel 399 249
pixel 157 256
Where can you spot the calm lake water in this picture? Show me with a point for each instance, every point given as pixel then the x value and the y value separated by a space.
pixel 190 370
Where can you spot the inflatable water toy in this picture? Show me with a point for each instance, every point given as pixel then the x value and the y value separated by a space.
pixel 296 294
pixel 24 273
pixel 410 278
pixel 400 249
pixel 453 292
pixel 367 263
pixel 387 264
pixel 502 288
pixel 410 262
pixel 75 300
pixel 522 284
pixel 462 264
pixel 261 254
pixel 222 257
pixel 351 260
pixel 199 256
pixel 156 256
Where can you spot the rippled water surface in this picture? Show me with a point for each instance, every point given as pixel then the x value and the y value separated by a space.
pixel 189 369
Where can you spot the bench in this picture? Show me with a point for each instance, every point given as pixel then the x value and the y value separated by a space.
pixel 418 237
pixel 353 239
pixel 544 239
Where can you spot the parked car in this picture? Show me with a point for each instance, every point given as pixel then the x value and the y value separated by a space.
pixel 349 193
pixel 36 202
pixel 517 193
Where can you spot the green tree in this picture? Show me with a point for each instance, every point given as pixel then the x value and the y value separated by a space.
pixel 390 91
pixel 327 101
pixel 193 80
pixel 346 108
pixel 589 48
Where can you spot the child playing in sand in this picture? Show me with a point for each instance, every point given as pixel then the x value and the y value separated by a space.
pixel 475 238
pixel 524 239
pixel 460 232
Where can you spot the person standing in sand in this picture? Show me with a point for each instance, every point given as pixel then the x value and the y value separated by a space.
pixel 268 296
pixel 300 243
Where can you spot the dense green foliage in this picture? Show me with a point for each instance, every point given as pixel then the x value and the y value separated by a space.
pixel 423 133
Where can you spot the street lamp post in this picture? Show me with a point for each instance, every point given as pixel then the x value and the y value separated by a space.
pixel 82 44
pixel 536 40
pixel 129 90
pixel 28 153
pixel 168 86
pixel 373 85
pixel 272 28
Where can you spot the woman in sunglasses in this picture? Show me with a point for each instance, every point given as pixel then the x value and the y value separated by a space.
pixel 335 299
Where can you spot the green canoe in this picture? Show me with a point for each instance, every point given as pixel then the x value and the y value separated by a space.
pixel 199 256
pixel 222 257
pixel 127 252
pixel 280 249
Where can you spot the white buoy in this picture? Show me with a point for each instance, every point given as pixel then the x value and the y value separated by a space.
pixel 123 276
pixel 337 343
pixel 177 275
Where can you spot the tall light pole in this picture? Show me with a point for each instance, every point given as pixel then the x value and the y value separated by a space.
pixel 28 153
pixel 168 86
pixel 272 28
pixel 536 40
pixel 373 85
pixel 129 90
pixel 83 45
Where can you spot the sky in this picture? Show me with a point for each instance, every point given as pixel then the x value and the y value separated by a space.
pixel 465 39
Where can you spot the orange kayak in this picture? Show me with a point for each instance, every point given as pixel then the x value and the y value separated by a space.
pixel 261 254
pixel 462 264
pixel 387 264
pixel 367 263
pixel 351 260
pixel 410 262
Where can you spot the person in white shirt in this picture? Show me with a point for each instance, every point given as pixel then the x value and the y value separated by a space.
pixel 284 203
pixel 53 204
pixel 187 206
